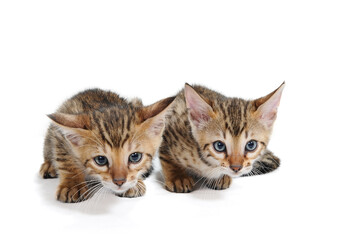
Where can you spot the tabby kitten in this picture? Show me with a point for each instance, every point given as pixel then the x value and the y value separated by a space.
pixel 215 137
pixel 99 140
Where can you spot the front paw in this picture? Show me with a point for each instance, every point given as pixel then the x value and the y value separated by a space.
pixel 180 185
pixel 72 194
pixel 137 191
pixel 219 184
pixel 47 170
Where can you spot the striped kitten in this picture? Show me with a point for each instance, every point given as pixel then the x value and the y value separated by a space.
pixel 215 137
pixel 99 140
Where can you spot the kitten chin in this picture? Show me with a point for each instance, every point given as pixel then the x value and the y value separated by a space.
pixel 98 140
pixel 217 137
pixel 119 190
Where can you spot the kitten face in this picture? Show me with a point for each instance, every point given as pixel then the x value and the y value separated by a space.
pixel 120 165
pixel 233 157
pixel 116 145
pixel 233 133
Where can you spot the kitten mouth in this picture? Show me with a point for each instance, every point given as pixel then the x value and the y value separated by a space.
pixel 114 189
pixel 235 175
pixel 245 172
pixel 240 173
pixel 121 189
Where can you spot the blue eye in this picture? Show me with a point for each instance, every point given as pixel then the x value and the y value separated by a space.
pixel 219 146
pixel 251 145
pixel 101 160
pixel 135 157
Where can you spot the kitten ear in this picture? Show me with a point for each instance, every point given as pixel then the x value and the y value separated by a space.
pixel 200 112
pixel 266 107
pixel 153 117
pixel 74 127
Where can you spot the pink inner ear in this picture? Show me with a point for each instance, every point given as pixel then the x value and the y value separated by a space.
pixel 74 138
pixel 270 107
pixel 268 110
pixel 199 117
pixel 199 109
pixel 268 118
pixel 157 126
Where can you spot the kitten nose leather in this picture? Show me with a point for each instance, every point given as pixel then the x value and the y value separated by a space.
pixel 119 181
pixel 236 168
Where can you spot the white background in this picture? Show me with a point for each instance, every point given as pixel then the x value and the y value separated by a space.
pixel 50 50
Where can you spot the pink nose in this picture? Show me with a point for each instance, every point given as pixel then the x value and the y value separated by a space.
pixel 236 168
pixel 119 181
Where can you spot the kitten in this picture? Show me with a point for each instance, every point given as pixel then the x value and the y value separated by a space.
pixel 215 137
pixel 99 140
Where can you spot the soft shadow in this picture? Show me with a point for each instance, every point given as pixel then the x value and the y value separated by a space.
pixel 160 180
pixel 204 193
pixel 200 190
pixel 100 203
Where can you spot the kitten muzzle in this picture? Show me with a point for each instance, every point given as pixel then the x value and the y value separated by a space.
pixel 119 181
pixel 236 168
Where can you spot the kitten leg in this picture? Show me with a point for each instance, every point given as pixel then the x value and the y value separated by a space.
pixel 48 170
pixel 176 178
pixel 137 191
pixel 73 187
pixel 219 184
pixel 268 163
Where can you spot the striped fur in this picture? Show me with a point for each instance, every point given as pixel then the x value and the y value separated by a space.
pixel 100 123
pixel 201 117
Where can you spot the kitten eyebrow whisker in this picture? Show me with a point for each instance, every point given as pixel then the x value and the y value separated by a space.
pixel 98 139
pixel 136 137
pixel 87 145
